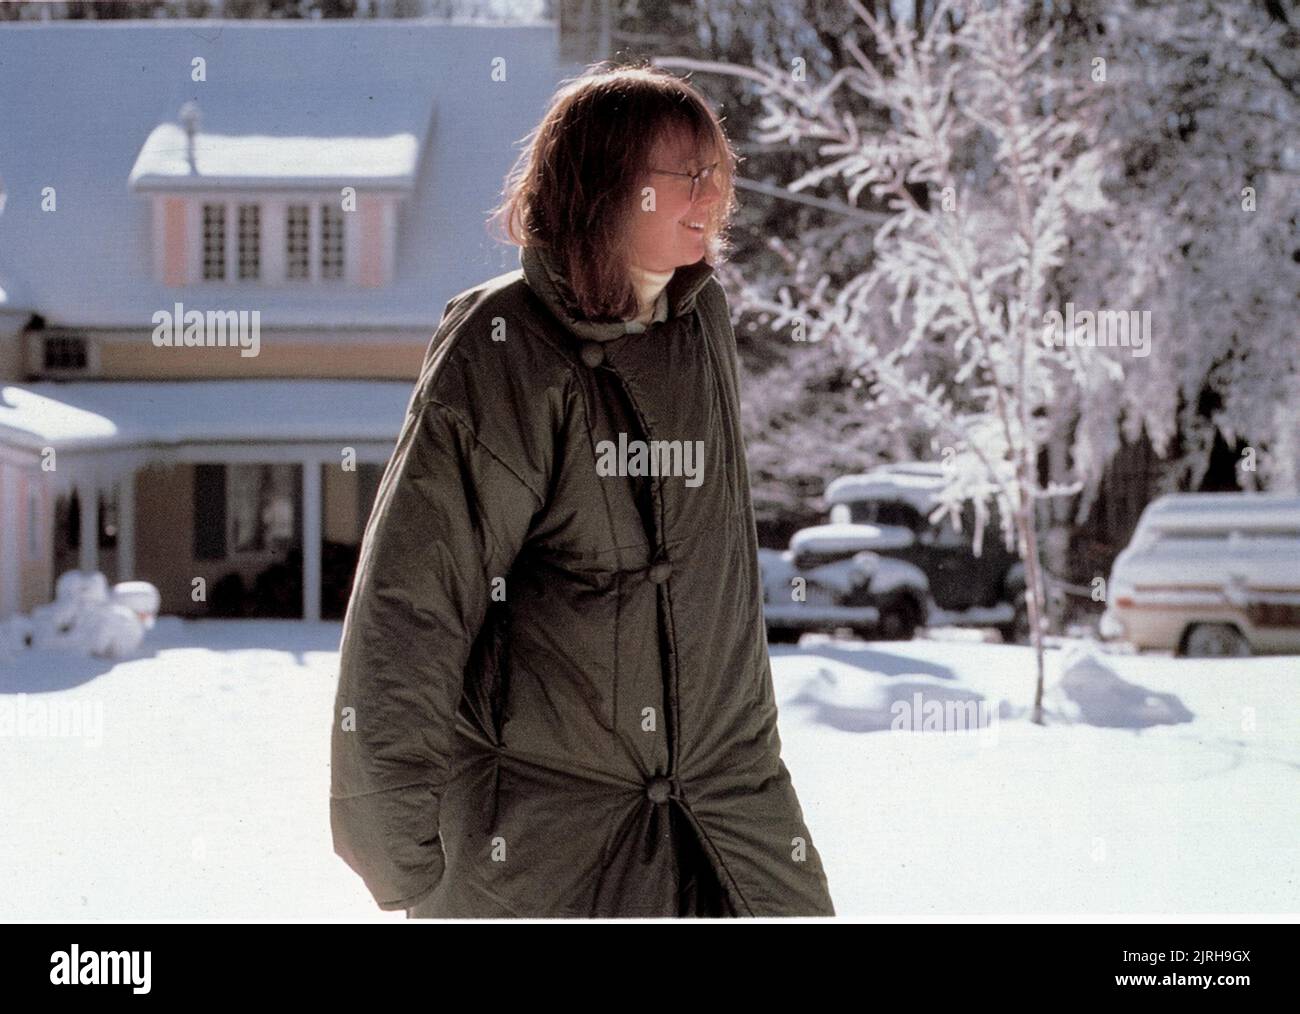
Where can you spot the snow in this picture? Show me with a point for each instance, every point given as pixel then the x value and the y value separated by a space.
pixel 1158 785
pixel 920 490
pixel 12 297
pixel 1222 513
pixel 253 159
pixel 846 537
pixel 204 794
pixel 198 788
pixel 127 413
pixel 1210 549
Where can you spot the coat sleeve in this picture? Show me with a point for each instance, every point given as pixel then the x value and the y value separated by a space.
pixel 449 516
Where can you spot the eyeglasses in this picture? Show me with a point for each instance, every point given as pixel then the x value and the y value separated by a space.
pixel 696 177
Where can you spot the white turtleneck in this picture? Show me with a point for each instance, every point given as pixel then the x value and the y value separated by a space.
pixel 649 285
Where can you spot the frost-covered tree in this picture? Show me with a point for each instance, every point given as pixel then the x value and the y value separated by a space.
pixel 987 166
pixel 804 421
pixel 1199 103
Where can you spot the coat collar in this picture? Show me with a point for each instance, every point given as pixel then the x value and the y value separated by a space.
pixel 545 278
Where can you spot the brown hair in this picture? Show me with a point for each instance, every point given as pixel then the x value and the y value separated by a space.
pixel 574 189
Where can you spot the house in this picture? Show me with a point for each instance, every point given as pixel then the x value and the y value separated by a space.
pixel 224 247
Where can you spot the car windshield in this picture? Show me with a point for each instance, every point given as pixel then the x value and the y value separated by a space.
pixel 884 512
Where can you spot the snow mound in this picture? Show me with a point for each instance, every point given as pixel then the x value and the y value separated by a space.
pixel 1082 687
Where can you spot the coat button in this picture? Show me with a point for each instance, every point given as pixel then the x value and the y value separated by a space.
pixel 658 789
pixel 593 354
pixel 659 572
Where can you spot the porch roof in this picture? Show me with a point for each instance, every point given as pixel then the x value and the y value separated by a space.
pixel 125 414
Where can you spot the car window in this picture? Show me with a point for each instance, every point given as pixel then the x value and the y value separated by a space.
pixel 1195 543
pixel 946 535
pixel 1191 536
pixel 885 512
pixel 1283 538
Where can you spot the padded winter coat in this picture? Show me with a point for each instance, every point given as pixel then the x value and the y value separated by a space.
pixel 555 697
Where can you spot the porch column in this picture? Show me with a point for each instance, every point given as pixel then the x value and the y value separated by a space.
pixel 311 539
pixel 88 499
pixel 126 527
pixel 12 541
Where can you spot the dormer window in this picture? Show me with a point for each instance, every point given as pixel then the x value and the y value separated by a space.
pixel 274 240
pixel 271 210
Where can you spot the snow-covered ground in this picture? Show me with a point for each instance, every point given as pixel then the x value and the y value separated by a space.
pixel 1157 785
pixel 197 784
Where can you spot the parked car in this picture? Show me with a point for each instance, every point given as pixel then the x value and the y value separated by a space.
pixel 1209 574
pixel 880 568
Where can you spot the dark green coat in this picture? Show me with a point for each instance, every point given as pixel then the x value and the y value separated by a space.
pixel 561 699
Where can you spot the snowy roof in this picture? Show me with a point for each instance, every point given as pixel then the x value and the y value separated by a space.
pixel 269 160
pixel 406 102
pixel 916 483
pixel 11 296
pixel 846 537
pixel 1198 511
pixel 117 414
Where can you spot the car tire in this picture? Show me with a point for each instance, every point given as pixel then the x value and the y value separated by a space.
pixel 899 618
pixel 1017 631
pixel 1213 640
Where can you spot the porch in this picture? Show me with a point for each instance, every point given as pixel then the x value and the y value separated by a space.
pixel 235 498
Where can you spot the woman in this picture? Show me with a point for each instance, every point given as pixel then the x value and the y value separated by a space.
pixel 555 697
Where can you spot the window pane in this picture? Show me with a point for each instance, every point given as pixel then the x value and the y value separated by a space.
pixel 250 231
pixel 245 498
pixel 214 241
pixel 946 535
pixel 904 515
pixel 297 228
pixel 108 519
pixel 209 512
pixel 278 507
pixel 262 507
pixel 331 241
pixel 65 353
pixel 368 478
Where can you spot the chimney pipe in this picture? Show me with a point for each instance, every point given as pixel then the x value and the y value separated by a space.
pixel 190 118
